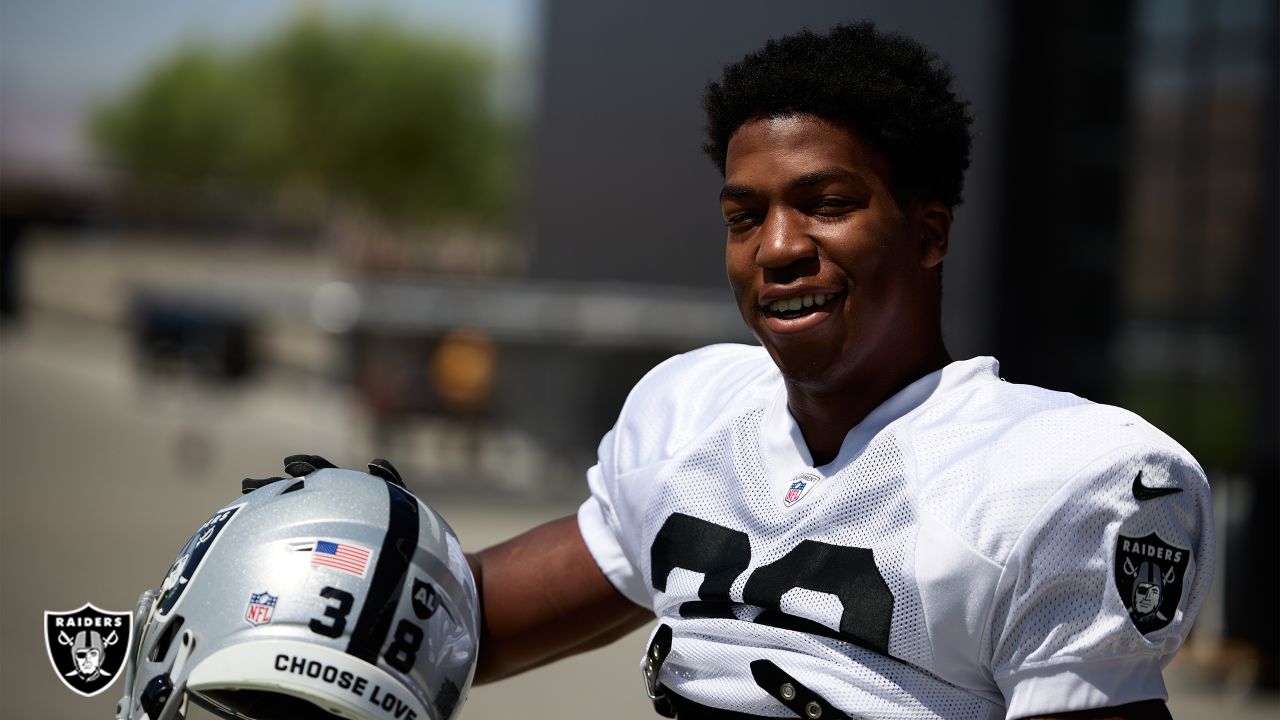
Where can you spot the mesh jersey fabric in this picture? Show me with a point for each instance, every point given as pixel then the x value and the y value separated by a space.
pixel 956 560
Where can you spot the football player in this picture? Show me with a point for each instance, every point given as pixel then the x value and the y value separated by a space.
pixel 846 522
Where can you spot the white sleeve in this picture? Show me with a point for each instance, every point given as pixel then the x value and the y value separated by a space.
pixel 671 403
pixel 1103 585
pixel 598 521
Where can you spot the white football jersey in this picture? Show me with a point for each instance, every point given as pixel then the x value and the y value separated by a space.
pixel 978 549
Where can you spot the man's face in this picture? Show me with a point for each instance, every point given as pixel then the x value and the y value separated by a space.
pixel 829 272
pixel 87 660
pixel 1146 597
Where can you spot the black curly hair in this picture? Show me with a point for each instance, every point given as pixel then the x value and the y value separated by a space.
pixel 895 94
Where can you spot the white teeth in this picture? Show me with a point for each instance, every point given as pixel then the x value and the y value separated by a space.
pixel 802 301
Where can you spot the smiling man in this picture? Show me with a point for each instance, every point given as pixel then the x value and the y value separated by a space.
pixel 845 522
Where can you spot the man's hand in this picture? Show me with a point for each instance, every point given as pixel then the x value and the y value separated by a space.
pixel 542 598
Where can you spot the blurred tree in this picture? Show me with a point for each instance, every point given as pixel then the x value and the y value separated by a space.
pixel 363 114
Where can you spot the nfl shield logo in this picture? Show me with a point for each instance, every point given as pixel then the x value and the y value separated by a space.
pixel 793 493
pixel 261 607
pixel 800 486
pixel 87 647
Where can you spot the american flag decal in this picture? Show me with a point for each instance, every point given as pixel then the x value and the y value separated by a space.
pixel 340 556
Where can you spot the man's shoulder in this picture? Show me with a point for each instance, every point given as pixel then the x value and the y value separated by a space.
pixel 1026 424
pixel 702 379
pixel 1032 452
pixel 1061 434
pixel 687 393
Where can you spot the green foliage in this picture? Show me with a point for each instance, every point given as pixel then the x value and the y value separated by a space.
pixel 366 114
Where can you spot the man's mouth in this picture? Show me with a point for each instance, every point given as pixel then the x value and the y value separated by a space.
pixel 798 306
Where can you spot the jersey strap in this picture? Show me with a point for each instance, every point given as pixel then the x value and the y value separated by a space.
pixel 654 656
pixel 787 690
pixel 793 694
pixel 687 709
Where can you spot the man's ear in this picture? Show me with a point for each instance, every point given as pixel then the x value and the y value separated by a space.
pixel 935 231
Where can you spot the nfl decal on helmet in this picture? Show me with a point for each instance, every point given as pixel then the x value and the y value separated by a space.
pixel 333 594
pixel 261 606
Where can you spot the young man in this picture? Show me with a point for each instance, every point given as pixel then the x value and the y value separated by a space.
pixel 845 522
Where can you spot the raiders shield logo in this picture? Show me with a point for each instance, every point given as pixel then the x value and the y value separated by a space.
pixel 87 647
pixel 1149 573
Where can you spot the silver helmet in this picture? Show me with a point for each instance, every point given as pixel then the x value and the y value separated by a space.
pixel 333 595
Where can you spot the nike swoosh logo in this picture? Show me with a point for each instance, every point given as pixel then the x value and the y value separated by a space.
pixel 1142 492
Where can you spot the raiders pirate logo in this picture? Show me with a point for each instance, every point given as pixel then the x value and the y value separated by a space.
pixel 1149 574
pixel 87 647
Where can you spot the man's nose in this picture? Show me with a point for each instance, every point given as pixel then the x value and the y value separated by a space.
pixel 783 241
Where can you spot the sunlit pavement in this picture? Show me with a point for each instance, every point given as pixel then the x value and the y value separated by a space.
pixel 102 478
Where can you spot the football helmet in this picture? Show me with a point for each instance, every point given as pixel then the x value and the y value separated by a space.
pixel 336 594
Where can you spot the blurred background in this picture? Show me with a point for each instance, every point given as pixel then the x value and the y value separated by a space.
pixel 455 234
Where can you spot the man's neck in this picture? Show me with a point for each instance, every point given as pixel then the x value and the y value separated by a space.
pixel 826 415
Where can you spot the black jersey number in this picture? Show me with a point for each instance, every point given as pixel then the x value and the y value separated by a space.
pixel 722 554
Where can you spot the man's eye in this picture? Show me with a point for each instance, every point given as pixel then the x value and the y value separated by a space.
pixel 832 205
pixel 739 219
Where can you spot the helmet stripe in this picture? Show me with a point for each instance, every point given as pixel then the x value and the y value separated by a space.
pixel 387 583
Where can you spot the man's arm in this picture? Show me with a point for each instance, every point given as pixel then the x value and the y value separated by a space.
pixel 542 598
pixel 1145 710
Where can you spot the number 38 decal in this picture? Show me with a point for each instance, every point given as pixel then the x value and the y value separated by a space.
pixel 722 554
pixel 401 654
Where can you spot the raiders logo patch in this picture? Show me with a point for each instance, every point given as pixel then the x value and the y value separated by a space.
pixel 1149 574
